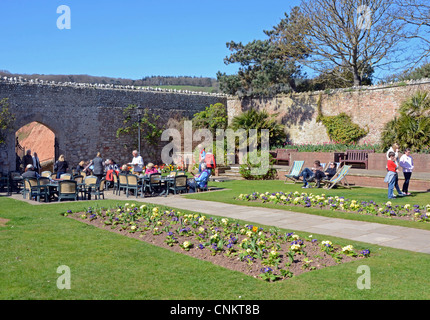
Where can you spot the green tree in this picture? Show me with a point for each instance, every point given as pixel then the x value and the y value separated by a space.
pixel 212 118
pixel 6 119
pixel 265 69
pixel 259 120
pixel 412 128
pixel 150 128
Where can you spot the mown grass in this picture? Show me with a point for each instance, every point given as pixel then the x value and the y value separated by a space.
pixel 229 190
pixel 37 239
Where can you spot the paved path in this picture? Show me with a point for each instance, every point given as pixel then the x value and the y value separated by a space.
pixel 374 233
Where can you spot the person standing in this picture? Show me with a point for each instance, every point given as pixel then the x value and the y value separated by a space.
pixel 27 159
pixel 61 166
pixel 394 148
pixel 209 159
pixel 136 163
pixel 98 167
pixel 407 163
pixel 392 177
pixel 36 163
pixel 201 159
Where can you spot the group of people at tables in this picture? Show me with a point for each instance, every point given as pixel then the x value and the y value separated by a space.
pixel 104 169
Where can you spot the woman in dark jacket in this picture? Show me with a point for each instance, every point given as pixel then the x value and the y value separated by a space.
pixel 98 167
pixel 61 166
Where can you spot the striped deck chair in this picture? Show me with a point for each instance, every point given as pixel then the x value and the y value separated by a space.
pixel 338 178
pixel 294 171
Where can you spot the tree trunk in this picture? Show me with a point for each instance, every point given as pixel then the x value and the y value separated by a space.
pixel 357 77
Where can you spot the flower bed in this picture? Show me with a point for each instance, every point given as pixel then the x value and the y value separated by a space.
pixel 406 212
pixel 268 254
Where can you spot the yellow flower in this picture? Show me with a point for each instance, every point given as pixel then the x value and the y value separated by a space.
pixel 186 244
pixel 295 247
pixel 348 248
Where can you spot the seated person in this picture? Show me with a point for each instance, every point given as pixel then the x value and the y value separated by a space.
pixel 200 180
pixel 80 167
pixel 124 169
pixel 30 172
pixel 113 165
pixel 331 171
pixel 317 172
pixel 150 169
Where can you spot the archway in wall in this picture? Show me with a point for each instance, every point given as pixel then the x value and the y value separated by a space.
pixel 38 138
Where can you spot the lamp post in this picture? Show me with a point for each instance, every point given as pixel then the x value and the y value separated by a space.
pixel 138 128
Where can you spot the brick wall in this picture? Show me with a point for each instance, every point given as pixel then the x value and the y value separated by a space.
pixel 370 107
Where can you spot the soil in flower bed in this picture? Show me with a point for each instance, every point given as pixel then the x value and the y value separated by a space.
pixel 267 254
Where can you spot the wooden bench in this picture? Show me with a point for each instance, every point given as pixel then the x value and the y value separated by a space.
pixel 283 155
pixel 356 156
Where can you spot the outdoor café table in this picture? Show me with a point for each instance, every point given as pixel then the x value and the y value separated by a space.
pixel 168 181
pixel 16 183
pixel 165 181
pixel 52 188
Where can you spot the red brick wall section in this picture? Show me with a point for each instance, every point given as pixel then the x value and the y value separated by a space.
pixel 310 157
pixel 378 161
pixel 370 107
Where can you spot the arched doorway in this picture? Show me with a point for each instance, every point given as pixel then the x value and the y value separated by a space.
pixel 38 138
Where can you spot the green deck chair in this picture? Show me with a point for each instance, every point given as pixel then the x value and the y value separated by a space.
pixel 338 178
pixel 294 171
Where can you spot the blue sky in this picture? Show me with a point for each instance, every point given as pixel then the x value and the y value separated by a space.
pixel 131 39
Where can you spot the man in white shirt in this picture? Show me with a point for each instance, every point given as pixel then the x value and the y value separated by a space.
pixel 137 163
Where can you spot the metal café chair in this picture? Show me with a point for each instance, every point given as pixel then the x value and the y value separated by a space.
pixel 133 184
pixel 67 190
pixel 90 182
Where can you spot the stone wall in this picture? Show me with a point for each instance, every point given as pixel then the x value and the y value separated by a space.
pixel 371 107
pixel 85 118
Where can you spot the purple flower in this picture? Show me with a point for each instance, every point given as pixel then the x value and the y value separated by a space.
pixel 365 252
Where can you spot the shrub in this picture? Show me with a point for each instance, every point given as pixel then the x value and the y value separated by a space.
pixel 259 120
pixel 6 119
pixel 412 128
pixel 341 128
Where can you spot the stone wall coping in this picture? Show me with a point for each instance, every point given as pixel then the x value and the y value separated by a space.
pixel 21 80
pixel 343 90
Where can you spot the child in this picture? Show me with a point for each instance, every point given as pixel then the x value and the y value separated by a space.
pixel 392 177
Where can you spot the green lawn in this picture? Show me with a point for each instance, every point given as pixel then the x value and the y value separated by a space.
pixel 37 239
pixel 231 189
